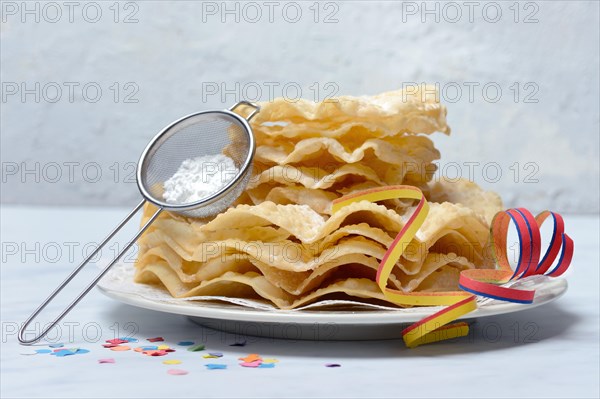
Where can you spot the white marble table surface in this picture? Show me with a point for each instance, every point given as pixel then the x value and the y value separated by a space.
pixel 550 351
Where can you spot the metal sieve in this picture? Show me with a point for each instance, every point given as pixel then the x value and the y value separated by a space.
pixel 199 134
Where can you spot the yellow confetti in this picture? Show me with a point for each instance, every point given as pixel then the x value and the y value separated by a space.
pixel 267 360
pixel 172 361
pixel 162 347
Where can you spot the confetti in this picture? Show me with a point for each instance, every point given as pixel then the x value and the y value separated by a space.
pixel 213 355
pixel 239 343
pixel 185 343
pixel 266 365
pixel 109 345
pixel 177 372
pixel 63 353
pixel 270 360
pixel 333 365
pixel 120 348
pixel 215 366
pixel 68 352
pixel 196 348
pixel 43 351
pixel 56 345
pixel 107 360
pixel 172 361
pixel 117 341
pixel 156 339
pixel 253 364
pixel 251 358
pixel 129 339
pixel 155 353
pixel 146 348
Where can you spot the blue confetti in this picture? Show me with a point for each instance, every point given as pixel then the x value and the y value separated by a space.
pixel 266 366
pixel 215 366
pixel 43 351
pixel 69 352
pixel 186 343
pixel 129 339
pixel 149 348
pixel 56 345
pixel 216 354
pixel 64 352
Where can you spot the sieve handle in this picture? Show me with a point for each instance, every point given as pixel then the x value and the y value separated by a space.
pixel 249 104
pixel 87 289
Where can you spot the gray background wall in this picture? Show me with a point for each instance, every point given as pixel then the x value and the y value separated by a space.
pixel 85 86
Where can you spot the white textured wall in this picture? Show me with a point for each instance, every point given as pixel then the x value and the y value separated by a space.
pixel 174 52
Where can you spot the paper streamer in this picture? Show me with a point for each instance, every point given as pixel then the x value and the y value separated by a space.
pixel 486 283
pixel 401 241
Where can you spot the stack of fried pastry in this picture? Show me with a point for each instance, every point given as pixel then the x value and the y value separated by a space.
pixel 281 243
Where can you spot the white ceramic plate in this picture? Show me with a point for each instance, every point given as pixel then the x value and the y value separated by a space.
pixel 341 323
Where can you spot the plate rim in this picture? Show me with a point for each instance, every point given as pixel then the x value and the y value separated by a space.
pixel 366 317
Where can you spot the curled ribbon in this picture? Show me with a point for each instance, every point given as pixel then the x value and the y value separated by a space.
pixel 475 282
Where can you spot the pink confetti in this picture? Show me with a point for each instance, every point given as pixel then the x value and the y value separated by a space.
pixel 177 372
pixel 255 363
pixel 108 360
pixel 109 345
pixel 117 341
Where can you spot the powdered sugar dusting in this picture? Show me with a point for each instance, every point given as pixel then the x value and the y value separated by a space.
pixel 198 178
